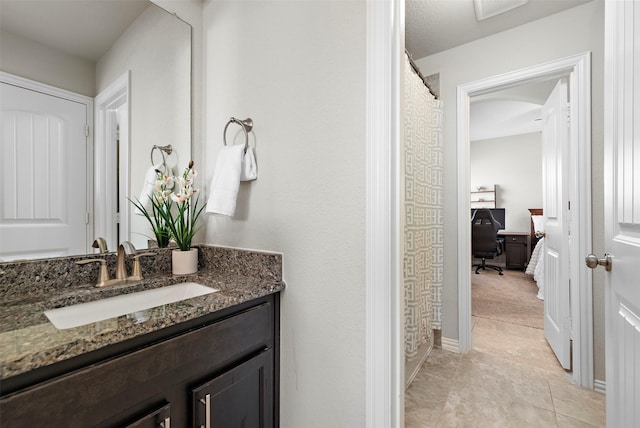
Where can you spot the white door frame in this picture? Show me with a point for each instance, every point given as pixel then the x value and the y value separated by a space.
pixel 384 366
pixel 580 195
pixel 112 97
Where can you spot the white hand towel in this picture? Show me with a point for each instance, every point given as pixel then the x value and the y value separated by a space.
pixel 249 168
pixel 147 188
pixel 225 183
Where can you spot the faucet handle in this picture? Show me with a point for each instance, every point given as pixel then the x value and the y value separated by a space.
pixel 136 272
pixel 103 274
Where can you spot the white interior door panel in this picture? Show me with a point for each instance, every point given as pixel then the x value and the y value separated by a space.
pixel 43 206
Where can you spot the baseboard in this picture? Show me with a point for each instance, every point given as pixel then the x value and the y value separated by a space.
pixel 437 338
pixel 600 386
pixel 413 367
pixel 450 345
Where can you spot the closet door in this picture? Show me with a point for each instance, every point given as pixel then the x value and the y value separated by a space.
pixel 43 155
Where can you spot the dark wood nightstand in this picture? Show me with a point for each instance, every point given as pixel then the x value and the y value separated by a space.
pixel 516 248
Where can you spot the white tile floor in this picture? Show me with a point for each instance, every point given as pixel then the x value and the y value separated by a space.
pixel 510 378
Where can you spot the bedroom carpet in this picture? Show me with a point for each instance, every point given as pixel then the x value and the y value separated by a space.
pixel 509 298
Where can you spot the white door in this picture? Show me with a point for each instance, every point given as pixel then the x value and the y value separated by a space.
pixel 622 211
pixel 43 206
pixel 555 163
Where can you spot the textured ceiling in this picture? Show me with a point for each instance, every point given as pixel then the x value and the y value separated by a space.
pixel 82 28
pixel 511 111
pixel 433 26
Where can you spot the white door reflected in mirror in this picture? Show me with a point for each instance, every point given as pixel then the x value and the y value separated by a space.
pixel 43 147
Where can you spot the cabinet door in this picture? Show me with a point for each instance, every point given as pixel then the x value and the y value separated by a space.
pixel 160 418
pixel 238 398
pixel 517 252
pixel 516 255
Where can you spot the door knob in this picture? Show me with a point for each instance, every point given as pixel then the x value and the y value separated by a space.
pixel 592 261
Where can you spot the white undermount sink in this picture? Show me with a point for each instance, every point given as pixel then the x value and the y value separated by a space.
pixel 99 310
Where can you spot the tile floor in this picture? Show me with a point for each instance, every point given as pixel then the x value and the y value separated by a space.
pixel 510 378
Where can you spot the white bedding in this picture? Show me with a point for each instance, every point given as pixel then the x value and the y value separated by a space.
pixel 536 267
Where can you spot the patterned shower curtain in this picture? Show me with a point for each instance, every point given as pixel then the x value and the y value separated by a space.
pixel 423 222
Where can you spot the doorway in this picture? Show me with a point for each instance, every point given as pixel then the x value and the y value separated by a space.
pixel 507 130
pixel 580 321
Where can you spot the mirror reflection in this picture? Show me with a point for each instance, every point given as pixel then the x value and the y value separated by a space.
pixel 88 89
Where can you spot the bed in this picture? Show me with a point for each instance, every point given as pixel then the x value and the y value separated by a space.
pixel 535 267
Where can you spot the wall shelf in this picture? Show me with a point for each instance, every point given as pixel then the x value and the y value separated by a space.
pixel 484 197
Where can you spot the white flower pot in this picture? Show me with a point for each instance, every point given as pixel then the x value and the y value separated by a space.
pixel 184 262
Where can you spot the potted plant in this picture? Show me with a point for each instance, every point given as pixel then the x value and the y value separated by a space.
pixel 175 212
pixel 159 204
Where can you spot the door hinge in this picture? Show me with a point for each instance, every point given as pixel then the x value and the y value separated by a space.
pixel 87 218
pixel 568 326
pixel 117 218
pixel 86 130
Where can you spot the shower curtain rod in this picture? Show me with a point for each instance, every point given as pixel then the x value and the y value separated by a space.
pixel 419 73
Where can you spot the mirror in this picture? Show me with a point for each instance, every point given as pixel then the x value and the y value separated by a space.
pixel 87 47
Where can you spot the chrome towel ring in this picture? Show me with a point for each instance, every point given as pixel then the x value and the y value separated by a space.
pixel 164 151
pixel 247 126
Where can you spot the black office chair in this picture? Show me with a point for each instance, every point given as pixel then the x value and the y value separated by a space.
pixel 484 239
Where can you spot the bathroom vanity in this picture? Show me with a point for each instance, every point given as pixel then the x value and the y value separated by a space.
pixel 209 361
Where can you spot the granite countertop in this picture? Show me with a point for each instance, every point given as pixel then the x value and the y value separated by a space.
pixel 29 340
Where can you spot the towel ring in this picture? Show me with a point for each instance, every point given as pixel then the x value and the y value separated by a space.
pixel 164 151
pixel 247 126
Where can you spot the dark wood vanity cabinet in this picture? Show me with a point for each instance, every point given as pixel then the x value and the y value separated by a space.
pixel 229 362
pixel 158 418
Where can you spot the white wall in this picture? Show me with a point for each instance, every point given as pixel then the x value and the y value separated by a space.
pixel 514 164
pixel 567 33
pixel 156 48
pixel 298 70
pixel 32 60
